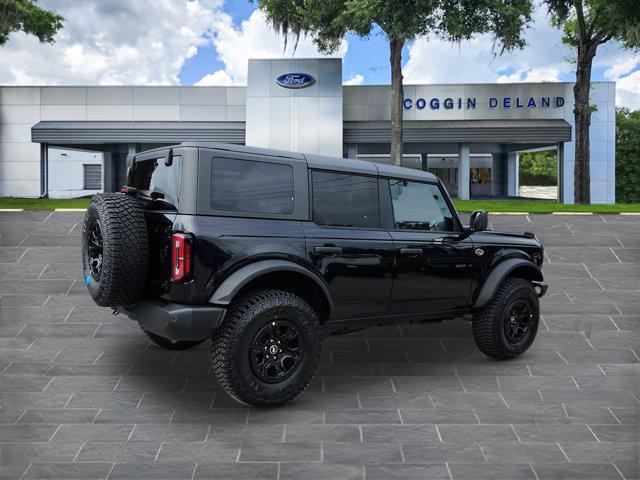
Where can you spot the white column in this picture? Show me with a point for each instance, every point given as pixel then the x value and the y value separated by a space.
pixel 463 171
pixel 562 191
pixel 513 164
pixel 131 151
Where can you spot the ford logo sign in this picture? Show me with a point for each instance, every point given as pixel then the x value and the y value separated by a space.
pixel 295 80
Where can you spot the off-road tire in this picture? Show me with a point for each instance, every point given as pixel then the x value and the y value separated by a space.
pixel 489 321
pixel 230 347
pixel 125 249
pixel 167 344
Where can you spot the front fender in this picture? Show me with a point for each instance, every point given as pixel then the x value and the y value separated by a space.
pixel 238 279
pixel 527 268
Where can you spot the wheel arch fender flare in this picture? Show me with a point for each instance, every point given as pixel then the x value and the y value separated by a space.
pixel 230 286
pixel 523 268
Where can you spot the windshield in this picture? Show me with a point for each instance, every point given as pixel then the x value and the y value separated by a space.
pixel 155 179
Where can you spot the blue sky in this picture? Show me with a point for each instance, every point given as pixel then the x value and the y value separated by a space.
pixel 368 56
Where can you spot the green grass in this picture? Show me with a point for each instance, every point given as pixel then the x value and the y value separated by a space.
pixel 540 206
pixel 43 203
pixel 535 206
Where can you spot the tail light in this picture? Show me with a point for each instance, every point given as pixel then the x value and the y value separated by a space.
pixel 181 263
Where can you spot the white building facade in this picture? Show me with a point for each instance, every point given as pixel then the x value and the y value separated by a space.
pixel 470 135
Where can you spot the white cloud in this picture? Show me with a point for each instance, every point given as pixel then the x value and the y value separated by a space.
pixel 357 79
pixel 219 77
pixel 622 65
pixel 253 39
pixel 436 61
pixel 531 75
pixel 545 58
pixel 114 42
pixel 628 91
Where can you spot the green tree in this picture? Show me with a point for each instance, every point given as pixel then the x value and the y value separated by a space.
pixel 28 17
pixel 539 168
pixel 587 24
pixel 328 21
pixel 627 156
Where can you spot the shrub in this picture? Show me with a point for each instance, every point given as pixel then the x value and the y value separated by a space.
pixel 539 168
pixel 627 156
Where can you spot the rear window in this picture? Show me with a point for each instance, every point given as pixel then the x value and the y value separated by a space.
pixel 153 176
pixel 251 187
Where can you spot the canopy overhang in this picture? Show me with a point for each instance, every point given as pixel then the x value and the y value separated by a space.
pixel 66 133
pixel 473 131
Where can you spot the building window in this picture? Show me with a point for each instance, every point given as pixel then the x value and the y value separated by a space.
pixel 251 187
pixel 420 206
pixel 342 200
pixel 92 175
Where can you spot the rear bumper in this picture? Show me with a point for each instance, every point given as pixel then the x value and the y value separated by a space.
pixel 540 288
pixel 176 321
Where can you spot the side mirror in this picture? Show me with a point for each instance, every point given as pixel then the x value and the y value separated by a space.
pixel 479 221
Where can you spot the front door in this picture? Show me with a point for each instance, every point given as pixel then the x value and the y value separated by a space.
pixel 346 245
pixel 433 262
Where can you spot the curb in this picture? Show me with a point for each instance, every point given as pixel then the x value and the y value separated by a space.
pixel 508 213
pixel 69 209
pixel 571 213
pixel 11 209
pixel 630 213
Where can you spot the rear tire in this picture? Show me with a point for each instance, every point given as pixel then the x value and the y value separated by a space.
pixel 267 350
pixel 167 344
pixel 114 249
pixel 507 325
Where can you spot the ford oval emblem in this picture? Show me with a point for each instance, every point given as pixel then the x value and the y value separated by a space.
pixel 295 80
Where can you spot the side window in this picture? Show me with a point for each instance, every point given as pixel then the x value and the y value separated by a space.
pixel 251 187
pixel 420 206
pixel 344 200
pixel 153 176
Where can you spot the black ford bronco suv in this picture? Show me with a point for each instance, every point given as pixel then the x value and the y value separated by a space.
pixel 264 252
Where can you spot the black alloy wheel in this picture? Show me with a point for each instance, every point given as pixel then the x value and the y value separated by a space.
pixel 518 321
pixel 276 351
pixel 114 249
pixel 95 249
pixel 268 347
pixel 507 325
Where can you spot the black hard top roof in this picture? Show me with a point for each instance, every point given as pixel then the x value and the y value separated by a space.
pixel 316 161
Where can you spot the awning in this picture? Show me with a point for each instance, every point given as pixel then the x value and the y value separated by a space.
pixel 476 131
pixel 58 132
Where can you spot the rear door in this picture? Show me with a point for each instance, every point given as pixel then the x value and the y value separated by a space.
pixel 346 245
pixel 434 263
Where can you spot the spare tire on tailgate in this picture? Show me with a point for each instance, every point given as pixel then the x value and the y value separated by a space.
pixel 114 249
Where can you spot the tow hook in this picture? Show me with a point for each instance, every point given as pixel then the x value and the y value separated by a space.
pixel 114 311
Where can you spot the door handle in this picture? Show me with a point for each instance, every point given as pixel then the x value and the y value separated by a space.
pixel 410 251
pixel 336 250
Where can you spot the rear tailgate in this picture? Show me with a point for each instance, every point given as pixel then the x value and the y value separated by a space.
pixel 157 184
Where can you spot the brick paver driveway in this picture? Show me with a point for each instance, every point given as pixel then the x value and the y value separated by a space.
pixel 84 393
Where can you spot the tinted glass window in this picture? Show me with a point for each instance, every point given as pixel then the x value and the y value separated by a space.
pixel 420 206
pixel 345 200
pixel 252 187
pixel 153 176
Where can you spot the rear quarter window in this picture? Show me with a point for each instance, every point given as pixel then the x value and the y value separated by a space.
pixel 251 186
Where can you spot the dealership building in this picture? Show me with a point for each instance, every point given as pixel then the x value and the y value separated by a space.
pixel 74 141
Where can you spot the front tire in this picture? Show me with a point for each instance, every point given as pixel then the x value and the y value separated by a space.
pixel 507 325
pixel 267 350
